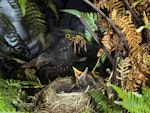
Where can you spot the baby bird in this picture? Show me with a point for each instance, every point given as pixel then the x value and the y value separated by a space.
pixel 84 80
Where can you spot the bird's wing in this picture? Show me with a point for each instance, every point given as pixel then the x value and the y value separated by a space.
pixel 38 62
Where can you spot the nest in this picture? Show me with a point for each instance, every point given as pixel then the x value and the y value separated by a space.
pixel 58 97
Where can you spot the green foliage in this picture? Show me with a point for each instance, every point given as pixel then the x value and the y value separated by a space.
pixel 22 4
pixel 90 19
pixel 52 6
pixel 137 2
pixel 6 106
pixel 49 3
pixel 35 20
pixel 143 27
pixel 18 60
pixel 103 104
pixel 15 6
pixel 11 95
pixel 5 49
pixel 99 62
pixel 133 102
pixel 11 36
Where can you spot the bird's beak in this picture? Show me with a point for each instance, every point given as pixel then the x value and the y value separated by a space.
pixel 80 73
pixel 77 72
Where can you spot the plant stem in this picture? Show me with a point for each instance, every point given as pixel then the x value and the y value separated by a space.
pixel 120 35
pixel 96 39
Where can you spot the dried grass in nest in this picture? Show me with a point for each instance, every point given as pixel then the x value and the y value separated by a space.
pixel 69 102
pixel 54 100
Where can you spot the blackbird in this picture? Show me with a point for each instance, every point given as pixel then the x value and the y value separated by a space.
pixel 55 61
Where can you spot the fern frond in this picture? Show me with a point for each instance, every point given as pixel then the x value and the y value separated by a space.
pixel 111 4
pixel 90 18
pixel 116 4
pixel 8 95
pixel 140 7
pixel 146 93
pixel 133 102
pixel 123 69
pixel 103 104
pixel 140 70
pixel 22 4
pixel 3 83
pixel 11 36
pixel 5 48
pixel 15 6
pixel 5 105
pixel 11 94
pixel 103 4
pixel 126 25
pixel 52 6
pixel 21 84
pixel 35 20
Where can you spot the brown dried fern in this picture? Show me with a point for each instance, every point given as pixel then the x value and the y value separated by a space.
pixel 134 70
pixel 141 7
pixel 141 58
pixel 110 5
pixel 140 71
pixel 124 70
pixel 126 25
pixel 122 19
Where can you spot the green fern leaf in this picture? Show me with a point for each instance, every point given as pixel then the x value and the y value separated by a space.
pixel 5 105
pixel 90 18
pixel 15 6
pixel 22 4
pixel 11 36
pixel 146 95
pixel 11 94
pixel 103 104
pixel 133 102
pixel 3 83
pixel 52 6
pixel 35 20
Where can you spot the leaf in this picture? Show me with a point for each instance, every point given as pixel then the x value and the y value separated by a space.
pixel 119 91
pixel 22 4
pixel 104 104
pixel 137 2
pixel 133 102
pixel 52 6
pixel 10 96
pixel 36 21
pixel 18 60
pixel 142 27
pixel 12 38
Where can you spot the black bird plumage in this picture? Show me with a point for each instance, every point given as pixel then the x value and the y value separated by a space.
pixel 55 61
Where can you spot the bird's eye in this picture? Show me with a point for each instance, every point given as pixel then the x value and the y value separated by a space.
pixel 67 35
